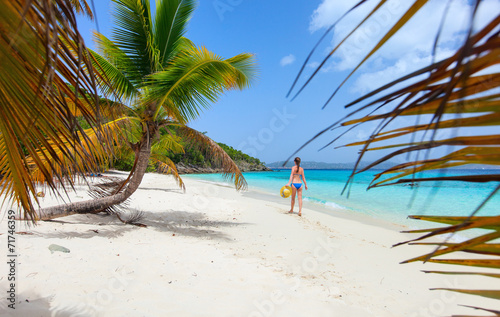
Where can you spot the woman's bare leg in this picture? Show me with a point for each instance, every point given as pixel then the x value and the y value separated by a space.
pixel 294 191
pixel 299 194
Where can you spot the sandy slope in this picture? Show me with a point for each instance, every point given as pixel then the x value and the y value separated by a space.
pixel 215 252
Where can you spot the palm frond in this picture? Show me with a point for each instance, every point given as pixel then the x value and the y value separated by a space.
pixel 460 91
pixel 196 78
pixel 39 72
pixel 167 143
pixel 379 5
pixel 119 69
pixel 81 6
pixel 314 49
pixel 166 166
pixel 73 164
pixel 469 92
pixel 215 154
pixel 480 292
pixel 132 132
pixel 124 152
pixel 132 217
pixel 496 312
pixel 107 187
pixel 170 25
pixel 133 33
pixel 481 248
pixel 170 112
pixel 465 273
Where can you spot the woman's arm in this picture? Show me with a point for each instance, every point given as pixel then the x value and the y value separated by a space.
pixel 303 178
pixel 291 177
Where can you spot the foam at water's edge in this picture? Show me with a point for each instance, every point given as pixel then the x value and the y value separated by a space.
pixel 330 204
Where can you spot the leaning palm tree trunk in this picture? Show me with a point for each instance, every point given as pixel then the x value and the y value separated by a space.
pixel 122 193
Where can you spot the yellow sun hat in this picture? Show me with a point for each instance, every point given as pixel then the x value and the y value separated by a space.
pixel 285 191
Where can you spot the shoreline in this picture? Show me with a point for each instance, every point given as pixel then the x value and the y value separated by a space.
pixel 214 251
pixel 316 207
pixel 396 221
pixel 348 214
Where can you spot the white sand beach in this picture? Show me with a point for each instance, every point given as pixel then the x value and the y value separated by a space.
pixel 212 251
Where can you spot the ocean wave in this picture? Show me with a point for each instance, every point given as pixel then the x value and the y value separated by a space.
pixel 326 203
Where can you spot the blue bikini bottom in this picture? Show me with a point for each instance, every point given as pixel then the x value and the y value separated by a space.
pixel 297 185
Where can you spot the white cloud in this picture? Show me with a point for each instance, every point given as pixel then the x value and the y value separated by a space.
pixel 287 60
pixel 406 64
pixel 408 49
pixel 313 65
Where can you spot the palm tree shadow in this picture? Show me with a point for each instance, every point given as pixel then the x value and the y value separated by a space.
pixel 185 223
pixel 102 225
pixel 182 223
pixel 31 304
pixel 175 191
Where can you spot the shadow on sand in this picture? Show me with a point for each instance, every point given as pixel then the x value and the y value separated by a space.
pixel 175 191
pixel 182 223
pixel 90 226
pixel 31 304
pixel 185 223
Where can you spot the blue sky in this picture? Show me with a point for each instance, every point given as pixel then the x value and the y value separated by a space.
pixel 261 121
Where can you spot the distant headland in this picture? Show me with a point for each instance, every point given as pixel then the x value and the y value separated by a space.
pixel 385 165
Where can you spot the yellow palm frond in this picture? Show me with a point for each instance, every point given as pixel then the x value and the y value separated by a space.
pixel 44 172
pixel 166 166
pixel 215 154
pixel 168 143
pixel 39 76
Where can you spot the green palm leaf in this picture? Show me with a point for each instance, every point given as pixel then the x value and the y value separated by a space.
pixel 170 26
pixel 197 78
pixel 118 67
pixel 112 133
pixel 167 142
pixel 133 33
pixel 215 154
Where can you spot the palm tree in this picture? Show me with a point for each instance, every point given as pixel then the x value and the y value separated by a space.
pixel 464 85
pixel 42 87
pixel 159 79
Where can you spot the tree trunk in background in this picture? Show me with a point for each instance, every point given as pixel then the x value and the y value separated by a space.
pixel 96 205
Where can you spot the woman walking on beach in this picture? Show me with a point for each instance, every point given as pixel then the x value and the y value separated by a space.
pixel 296 178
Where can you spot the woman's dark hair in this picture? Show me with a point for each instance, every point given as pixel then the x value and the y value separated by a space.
pixel 297 162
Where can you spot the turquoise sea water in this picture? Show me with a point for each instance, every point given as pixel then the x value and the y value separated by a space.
pixel 392 203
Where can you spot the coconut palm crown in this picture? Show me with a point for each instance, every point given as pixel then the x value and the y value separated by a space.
pixel 158 79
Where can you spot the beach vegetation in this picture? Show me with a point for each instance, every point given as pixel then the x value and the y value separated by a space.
pixel 237 155
pixel 458 93
pixel 180 150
